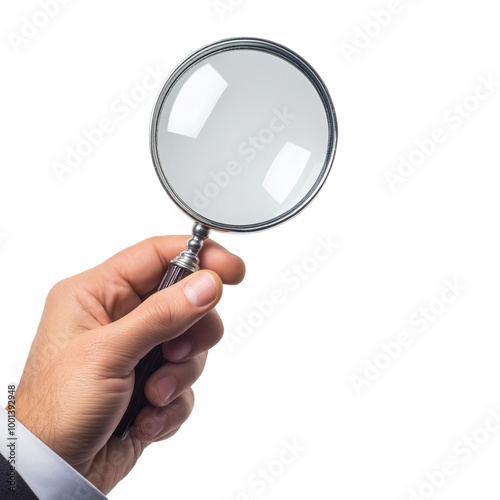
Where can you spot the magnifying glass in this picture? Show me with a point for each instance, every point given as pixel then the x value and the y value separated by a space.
pixel 243 136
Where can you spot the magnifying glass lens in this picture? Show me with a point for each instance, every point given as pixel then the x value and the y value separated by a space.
pixel 242 138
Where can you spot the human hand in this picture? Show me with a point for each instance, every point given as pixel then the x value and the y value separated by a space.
pixel 95 327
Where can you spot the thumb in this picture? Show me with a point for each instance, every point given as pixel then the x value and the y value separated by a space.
pixel 163 316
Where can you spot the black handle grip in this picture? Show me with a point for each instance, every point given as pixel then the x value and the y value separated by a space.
pixel 147 365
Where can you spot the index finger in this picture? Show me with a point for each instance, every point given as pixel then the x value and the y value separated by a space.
pixel 143 265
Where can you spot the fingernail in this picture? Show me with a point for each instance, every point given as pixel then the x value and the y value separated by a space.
pixel 165 387
pixel 179 348
pixel 200 290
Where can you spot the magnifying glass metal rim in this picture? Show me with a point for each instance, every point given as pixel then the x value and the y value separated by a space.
pixel 262 45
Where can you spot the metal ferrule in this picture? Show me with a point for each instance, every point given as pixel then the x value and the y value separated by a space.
pixel 188 259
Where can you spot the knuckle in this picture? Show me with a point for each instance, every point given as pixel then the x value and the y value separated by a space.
pixel 161 311
pixel 219 329
pixel 64 291
pixel 186 405
pixel 199 364
pixel 216 326
pixel 59 289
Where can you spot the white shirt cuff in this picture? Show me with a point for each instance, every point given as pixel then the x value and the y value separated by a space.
pixel 45 472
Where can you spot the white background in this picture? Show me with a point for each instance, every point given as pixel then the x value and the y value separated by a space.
pixel 292 378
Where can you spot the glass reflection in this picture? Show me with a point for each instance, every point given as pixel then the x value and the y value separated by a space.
pixel 285 171
pixel 196 100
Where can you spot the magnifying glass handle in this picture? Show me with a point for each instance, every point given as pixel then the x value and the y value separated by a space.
pixel 184 265
pixel 147 365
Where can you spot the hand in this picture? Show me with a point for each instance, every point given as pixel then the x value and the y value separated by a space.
pixel 94 329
